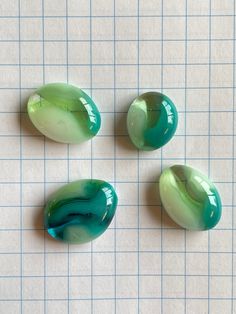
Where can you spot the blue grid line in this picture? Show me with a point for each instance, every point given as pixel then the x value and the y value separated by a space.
pixel 21 171
pixel 185 141
pixel 162 209
pixel 68 157
pixel 233 167
pixel 45 174
pixel 111 16
pixel 209 155
pixel 138 159
pixel 115 142
pixel 91 91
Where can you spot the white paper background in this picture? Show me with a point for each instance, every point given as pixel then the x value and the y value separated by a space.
pixel 115 50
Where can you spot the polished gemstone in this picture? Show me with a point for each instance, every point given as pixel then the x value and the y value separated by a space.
pixel 190 198
pixel 64 113
pixel 152 121
pixel 80 211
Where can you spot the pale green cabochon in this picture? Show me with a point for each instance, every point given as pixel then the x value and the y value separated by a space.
pixel 64 113
pixel 190 198
pixel 151 121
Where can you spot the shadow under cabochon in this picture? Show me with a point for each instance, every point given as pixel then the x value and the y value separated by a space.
pixel 64 113
pixel 190 198
pixel 80 211
pixel 152 121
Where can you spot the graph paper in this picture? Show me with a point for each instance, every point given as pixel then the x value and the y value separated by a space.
pixel 115 50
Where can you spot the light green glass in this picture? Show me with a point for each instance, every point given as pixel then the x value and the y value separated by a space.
pixel 64 113
pixel 80 211
pixel 190 198
pixel 152 121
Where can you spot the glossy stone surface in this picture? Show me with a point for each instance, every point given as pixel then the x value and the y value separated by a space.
pixel 80 211
pixel 190 198
pixel 64 113
pixel 152 121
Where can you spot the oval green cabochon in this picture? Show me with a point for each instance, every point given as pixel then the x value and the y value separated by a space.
pixel 64 113
pixel 151 121
pixel 190 198
pixel 80 211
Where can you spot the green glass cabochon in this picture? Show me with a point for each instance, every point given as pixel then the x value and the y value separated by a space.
pixel 80 211
pixel 64 113
pixel 189 198
pixel 151 121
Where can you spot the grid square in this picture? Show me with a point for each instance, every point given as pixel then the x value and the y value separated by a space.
pixel 102 53
pixel 173 286
pixel 173 8
pixel 198 52
pixel 149 28
pixel 33 170
pixel 147 7
pixel 150 52
pixel 9 53
pixel 174 28
pixel 103 170
pixel 197 264
pixel 80 264
pixel 107 284
pixel 33 288
pixel 199 7
pixel 221 75
pixel 31 53
pixel 55 53
pixel 8 29
pixel 173 52
pixel 126 28
pixel 102 28
pixel 32 8
pixel 126 52
pixel 78 29
pixel 150 76
pixel 33 265
pixel 31 28
pixel 56 264
pixel 10 289
pixel 126 8
pixel 10 218
pixel 221 52
pixel 32 76
pixel 103 8
pixel 197 287
pixel 10 265
pixel 11 194
pixel 56 287
pixel 9 77
pixel 126 76
pixel 150 263
pixel 124 268
pixel 220 287
pixel 9 8
pixel 10 171
pixel 222 27
pixel 103 306
pixel 221 146
pixel 78 52
pixel 173 263
pixel 56 170
pixel 50 9
pixel 126 287
pixel 198 27
pixel 55 28
pixel 173 76
pixel 78 7
pixel 126 176
pixel 80 287
pixel 59 307
pixel 126 216
pixel 103 264
pixel 103 77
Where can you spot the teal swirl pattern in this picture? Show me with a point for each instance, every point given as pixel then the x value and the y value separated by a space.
pixel 80 211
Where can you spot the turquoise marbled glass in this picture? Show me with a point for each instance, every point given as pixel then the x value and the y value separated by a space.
pixel 64 113
pixel 152 121
pixel 80 211
pixel 190 198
